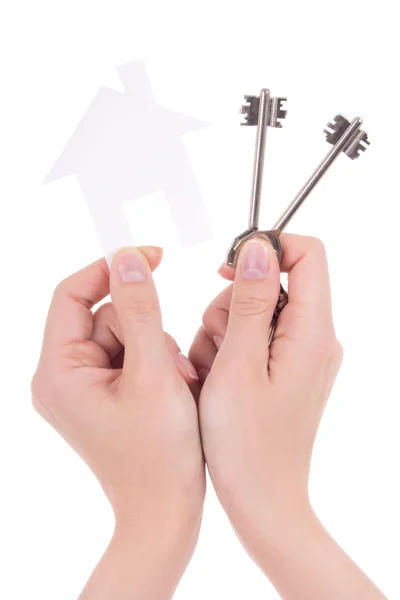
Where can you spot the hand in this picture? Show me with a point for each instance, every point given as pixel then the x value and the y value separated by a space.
pixel 130 415
pixel 260 409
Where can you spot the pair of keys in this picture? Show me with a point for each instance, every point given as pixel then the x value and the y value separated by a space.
pixel 264 111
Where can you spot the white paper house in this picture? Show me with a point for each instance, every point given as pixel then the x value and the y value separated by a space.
pixel 127 146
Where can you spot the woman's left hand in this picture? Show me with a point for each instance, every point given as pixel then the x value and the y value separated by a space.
pixel 129 413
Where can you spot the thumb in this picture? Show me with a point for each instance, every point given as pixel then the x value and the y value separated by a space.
pixel 136 304
pixel 153 255
pixel 254 297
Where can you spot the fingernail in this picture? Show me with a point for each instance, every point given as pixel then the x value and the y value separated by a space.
pixel 188 366
pixel 203 374
pixel 131 267
pixel 254 259
pixel 218 339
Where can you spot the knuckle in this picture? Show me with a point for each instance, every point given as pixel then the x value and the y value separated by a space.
pixel 338 353
pixel 65 290
pixel 248 306
pixel 107 310
pixel 214 319
pixel 140 311
pixel 326 348
pixel 37 393
pixel 330 347
pixel 110 319
pixel 37 405
pixel 36 387
pixel 47 387
pixel 106 315
pixel 316 245
pixel 84 353
pixel 145 385
pixel 208 317
pixel 64 285
pixel 61 288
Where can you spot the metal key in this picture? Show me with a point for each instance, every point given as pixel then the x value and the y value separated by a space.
pixel 345 136
pixel 262 111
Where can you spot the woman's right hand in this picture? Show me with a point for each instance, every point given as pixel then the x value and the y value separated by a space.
pixel 260 409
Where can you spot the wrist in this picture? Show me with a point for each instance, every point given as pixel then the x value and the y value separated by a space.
pixel 287 534
pixel 135 567
pixel 163 536
pixel 276 526
pixel 162 542
pixel 301 559
pixel 170 523
pixel 156 565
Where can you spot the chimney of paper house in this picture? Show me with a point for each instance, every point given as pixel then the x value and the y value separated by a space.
pixel 137 83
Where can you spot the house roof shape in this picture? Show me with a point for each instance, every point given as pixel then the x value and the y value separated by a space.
pixel 128 123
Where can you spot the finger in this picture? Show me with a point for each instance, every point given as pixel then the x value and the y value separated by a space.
pixel 70 317
pixel 254 297
pixel 118 361
pixel 227 272
pixel 153 255
pixel 215 318
pixel 301 255
pixel 202 355
pixel 137 308
pixel 304 259
pixel 106 331
pixel 183 364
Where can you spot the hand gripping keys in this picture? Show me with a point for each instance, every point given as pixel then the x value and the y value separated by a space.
pixel 344 135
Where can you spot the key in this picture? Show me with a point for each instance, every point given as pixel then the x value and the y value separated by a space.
pixel 262 111
pixel 345 136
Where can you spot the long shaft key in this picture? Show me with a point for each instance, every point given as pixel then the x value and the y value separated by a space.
pixel 262 111
pixel 345 136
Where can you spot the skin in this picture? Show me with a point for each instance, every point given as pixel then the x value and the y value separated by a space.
pixel 260 410
pixel 116 388
pixel 136 426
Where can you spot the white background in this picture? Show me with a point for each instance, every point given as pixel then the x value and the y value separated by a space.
pixel 202 57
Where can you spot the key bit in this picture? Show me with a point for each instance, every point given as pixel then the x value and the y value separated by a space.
pixel 337 128
pixel 359 144
pixel 345 136
pixel 278 113
pixel 251 110
pixel 262 111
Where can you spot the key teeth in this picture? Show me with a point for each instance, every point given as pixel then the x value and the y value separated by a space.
pixel 359 141
pixel 356 149
pixel 335 129
pixel 278 113
pixel 250 110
